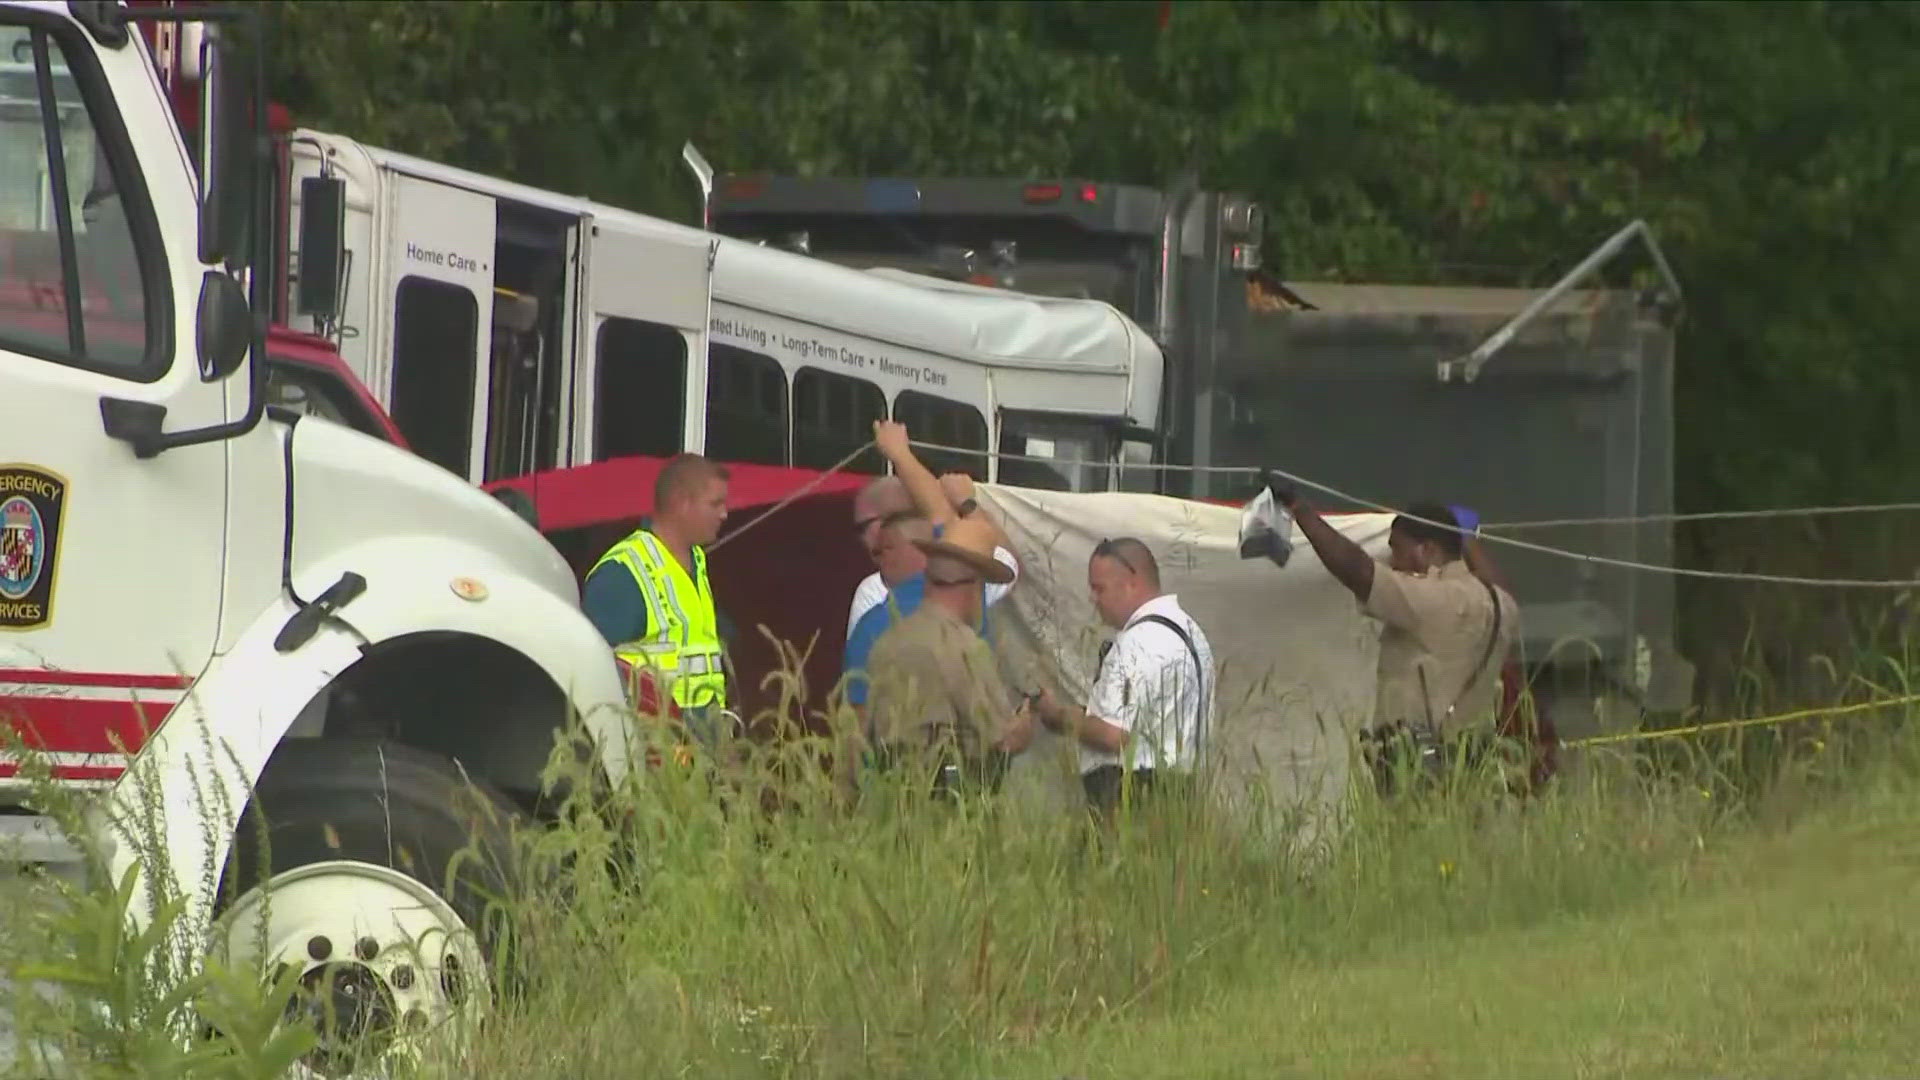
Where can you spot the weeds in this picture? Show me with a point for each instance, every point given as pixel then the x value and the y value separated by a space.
pixel 735 914
pixel 101 993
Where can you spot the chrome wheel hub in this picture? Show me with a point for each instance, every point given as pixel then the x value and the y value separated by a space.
pixel 388 970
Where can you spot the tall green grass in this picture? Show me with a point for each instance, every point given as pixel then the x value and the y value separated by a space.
pixel 87 996
pixel 740 915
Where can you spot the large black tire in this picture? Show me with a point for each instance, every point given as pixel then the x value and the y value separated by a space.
pixel 384 803
pixel 408 838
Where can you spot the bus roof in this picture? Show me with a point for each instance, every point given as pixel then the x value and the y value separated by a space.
pixel 993 327
pixel 1090 205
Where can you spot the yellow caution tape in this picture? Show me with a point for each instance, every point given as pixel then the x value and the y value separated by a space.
pixel 1753 721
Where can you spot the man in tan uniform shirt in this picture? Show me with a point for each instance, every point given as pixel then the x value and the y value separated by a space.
pixel 935 687
pixel 1444 639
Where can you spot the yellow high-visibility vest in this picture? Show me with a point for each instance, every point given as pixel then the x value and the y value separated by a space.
pixel 683 629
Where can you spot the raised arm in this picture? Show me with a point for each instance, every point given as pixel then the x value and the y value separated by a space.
pixel 1473 552
pixel 1483 566
pixel 960 491
pixel 890 437
pixel 1347 561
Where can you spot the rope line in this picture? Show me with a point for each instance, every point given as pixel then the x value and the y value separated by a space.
pixel 799 493
pixel 1622 564
pixel 1508 526
pixel 1508 541
pixel 1522 545
pixel 1712 515
pixel 1752 721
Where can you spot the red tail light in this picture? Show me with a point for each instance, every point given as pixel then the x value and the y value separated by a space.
pixel 746 187
pixel 1089 193
pixel 1041 193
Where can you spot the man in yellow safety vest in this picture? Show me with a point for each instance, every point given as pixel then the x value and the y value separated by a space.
pixel 649 596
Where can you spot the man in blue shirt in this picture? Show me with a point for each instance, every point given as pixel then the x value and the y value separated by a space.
pixel 903 598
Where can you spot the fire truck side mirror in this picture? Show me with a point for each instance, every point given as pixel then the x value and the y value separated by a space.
pixel 226 140
pixel 224 327
pixel 323 245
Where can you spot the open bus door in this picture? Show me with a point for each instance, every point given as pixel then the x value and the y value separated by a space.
pixel 441 248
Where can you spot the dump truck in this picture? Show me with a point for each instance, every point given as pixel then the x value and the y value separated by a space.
pixel 1529 406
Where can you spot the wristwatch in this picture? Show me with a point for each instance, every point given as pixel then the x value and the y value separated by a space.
pixel 967 507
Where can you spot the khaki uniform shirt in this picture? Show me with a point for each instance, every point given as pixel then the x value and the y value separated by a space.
pixel 932 678
pixel 1436 632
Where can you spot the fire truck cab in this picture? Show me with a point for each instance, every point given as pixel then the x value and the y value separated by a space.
pixel 214 595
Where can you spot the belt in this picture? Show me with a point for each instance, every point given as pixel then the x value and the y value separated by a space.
pixel 690 663
pixel 1399 752
pixel 946 775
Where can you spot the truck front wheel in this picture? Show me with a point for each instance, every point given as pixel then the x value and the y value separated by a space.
pixel 369 869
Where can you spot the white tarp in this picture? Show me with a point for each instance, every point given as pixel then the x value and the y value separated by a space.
pixel 1294 654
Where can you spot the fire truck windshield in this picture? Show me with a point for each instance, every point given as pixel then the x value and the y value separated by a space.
pixel 34 280
pixel 25 200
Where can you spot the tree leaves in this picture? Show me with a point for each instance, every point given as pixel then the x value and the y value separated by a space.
pixel 1772 150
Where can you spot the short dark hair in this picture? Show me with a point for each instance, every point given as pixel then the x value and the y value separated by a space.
pixel 1412 523
pixel 1132 554
pixel 683 474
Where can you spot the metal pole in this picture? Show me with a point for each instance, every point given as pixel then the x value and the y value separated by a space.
pixel 703 173
pixel 1468 366
pixel 1172 238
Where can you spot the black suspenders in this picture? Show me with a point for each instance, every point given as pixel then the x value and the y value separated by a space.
pixel 1199 669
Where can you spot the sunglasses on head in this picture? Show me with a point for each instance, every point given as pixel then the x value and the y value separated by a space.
pixel 1110 550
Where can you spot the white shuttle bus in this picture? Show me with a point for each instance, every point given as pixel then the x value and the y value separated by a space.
pixel 510 330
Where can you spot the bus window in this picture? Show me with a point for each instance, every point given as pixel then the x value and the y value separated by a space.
pixel 639 389
pixel 1076 453
pixel 436 330
pixel 833 415
pixel 949 423
pixel 746 406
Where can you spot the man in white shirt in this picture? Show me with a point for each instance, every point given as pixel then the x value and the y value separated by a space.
pixel 1152 705
pixel 882 497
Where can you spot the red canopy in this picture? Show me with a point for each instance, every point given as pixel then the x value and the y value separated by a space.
pixel 620 491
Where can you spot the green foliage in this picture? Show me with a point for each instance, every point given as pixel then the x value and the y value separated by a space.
pixel 90 992
pixel 1774 149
